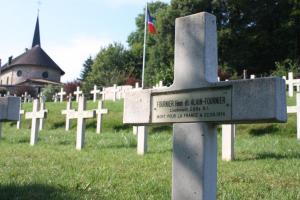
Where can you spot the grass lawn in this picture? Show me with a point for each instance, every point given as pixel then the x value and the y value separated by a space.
pixel 267 164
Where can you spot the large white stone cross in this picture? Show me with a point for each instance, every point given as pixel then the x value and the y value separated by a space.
pixel 77 93
pixel 296 109
pixel 196 103
pixel 100 111
pixel 68 112
pixel 35 115
pixel 81 115
pixel 95 92
pixel 61 94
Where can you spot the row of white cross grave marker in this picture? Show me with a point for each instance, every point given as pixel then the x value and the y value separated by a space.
pixel 39 112
pixel 109 93
pixel 195 104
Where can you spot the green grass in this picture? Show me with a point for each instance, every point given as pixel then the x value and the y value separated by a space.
pixel 267 164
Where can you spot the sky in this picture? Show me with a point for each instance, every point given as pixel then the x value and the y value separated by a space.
pixel 70 30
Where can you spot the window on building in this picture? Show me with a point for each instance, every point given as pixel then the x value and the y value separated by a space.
pixel 19 73
pixel 45 75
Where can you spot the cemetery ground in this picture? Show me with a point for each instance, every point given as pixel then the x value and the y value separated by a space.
pixel 267 164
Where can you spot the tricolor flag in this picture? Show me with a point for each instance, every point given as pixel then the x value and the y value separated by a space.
pixel 151 24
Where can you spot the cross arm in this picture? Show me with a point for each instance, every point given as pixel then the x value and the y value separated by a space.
pixel 40 115
pixel 241 101
pixel 83 114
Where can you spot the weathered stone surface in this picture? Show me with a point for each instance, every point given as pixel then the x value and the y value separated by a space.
pixel 9 108
pixel 248 104
pixel 228 134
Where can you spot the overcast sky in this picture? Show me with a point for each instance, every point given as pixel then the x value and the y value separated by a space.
pixel 71 30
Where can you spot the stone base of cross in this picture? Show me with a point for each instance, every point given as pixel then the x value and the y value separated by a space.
pixel 196 103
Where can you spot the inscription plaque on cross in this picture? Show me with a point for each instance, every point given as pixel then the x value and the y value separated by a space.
pixel 196 103
pixel 81 115
pixel 61 94
pixel 95 92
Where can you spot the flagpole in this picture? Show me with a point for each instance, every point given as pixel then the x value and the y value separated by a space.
pixel 144 50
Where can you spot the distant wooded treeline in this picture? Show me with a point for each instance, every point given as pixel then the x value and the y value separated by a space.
pixel 252 35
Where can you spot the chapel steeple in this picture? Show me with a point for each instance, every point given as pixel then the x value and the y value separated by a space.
pixel 36 36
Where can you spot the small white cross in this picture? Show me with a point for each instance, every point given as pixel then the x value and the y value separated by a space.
pixel 77 93
pixel 95 92
pixel 61 94
pixel 99 111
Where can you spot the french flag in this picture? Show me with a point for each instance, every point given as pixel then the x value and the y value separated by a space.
pixel 151 25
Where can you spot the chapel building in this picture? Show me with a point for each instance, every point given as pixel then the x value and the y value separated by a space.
pixel 32 68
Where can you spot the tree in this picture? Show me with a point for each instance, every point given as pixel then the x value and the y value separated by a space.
pixel 112 65
pixel 87 67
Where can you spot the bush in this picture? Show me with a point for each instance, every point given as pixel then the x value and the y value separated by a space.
pixel 25 88
pixel 49 91
pixel 285 66
pixel 70 87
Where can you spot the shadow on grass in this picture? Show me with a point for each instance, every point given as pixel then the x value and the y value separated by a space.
pixel 159 129
pixel 65 142
pixel 264 131
pixel 121 127
pixel 23 140
pixel 32 191
pixel 272 155
pixel 58 125
pixel 119 146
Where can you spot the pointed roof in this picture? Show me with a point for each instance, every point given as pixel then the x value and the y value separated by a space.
pixel 35 56
pixel 36 37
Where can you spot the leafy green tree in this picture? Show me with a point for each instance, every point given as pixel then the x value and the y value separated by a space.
pixel 87 67
pixel 112 65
